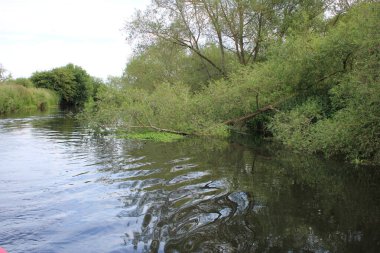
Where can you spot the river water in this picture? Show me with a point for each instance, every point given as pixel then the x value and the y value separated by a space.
pixel 65 190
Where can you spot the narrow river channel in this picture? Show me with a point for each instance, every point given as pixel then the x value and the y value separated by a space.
pixel 65 190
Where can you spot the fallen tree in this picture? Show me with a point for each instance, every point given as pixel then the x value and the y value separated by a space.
pixel 163 130
pixel 247 117
pixel 229 122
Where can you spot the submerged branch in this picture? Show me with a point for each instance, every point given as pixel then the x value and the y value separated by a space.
pixel 163 130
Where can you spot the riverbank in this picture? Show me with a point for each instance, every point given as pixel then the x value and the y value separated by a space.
pixel 15 98
pixel 315 91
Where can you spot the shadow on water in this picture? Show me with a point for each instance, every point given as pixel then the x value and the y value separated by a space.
pixel 208 195
pixel 213 196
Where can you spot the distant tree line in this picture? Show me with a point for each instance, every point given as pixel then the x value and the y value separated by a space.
pixel 73 86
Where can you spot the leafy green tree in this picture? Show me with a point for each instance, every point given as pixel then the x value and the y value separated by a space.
pixel 243 27
pixel 72 83
pixel 169 63
pixel 155 64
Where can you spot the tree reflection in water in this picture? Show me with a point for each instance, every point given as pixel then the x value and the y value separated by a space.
pixel 220 197
pixel 195 195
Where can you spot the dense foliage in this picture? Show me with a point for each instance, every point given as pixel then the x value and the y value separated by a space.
pixel 337 111
pixel 15 97
pixel 74 86
pixel 170 63
pixel 26 82
pixel 314 84
pixel 242 27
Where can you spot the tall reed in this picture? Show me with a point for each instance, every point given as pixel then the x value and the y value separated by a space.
pixel 14 97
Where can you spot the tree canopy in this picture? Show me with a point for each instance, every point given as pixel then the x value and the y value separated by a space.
pixel 71 82
pixel 243 27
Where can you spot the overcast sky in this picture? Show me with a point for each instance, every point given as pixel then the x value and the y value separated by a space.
pixel 39 35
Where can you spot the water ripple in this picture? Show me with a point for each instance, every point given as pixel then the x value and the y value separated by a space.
pixel 62 190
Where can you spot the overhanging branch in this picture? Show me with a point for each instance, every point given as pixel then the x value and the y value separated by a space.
pixel 249 116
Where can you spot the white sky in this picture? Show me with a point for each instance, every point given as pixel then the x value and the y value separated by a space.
pixel 40 35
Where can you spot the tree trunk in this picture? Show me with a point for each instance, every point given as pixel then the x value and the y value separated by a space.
pixel 249 116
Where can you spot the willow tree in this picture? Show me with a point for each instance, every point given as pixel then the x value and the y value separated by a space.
pixel 177 21
pixel 233 25
pixel 167 63
pixel 243 27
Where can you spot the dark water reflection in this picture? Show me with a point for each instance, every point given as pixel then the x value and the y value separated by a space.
pixel 62 190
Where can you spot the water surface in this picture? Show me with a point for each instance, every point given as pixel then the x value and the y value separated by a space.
pixel 64 190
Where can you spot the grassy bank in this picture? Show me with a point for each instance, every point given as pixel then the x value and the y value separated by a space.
pixel 15 98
